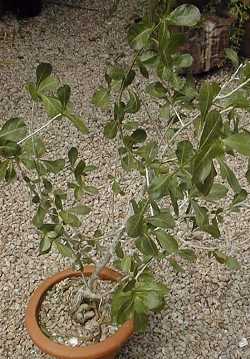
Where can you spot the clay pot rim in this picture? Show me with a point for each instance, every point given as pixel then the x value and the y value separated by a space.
pixel 107 347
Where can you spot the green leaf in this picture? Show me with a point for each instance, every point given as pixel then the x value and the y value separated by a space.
pixel 39 217
pixel 116 73
pixel 143 69
pixel 202 220
pixel 72 155
pixel 238 99
pixel 163 220
pixel 83 189
pixel 63 94
pixel 133 104
pixel 116 188
pixel 9 149
pixel 228 174
pixel 156 89
pixel 149 284
pixel 167 241
pixel 81 210
pixel 208 92
pixel 212 128
pixel 13 130
pixel 64 250
pixel 110 129
pixel 32 90
pixel 43 71
pixel 101 98
pixel 201 215
pixel 79 169
pixel 218 191
pixel 139 135
pixel 122 306
pixel 203 161
pixel 134 225
pixel 239 197
pixel 45 245
pixel 78 123
pixel 183 60
pixel 184 15
pixel 70 219
pixel 146 246
pixel 139 305
pixel 239 142
pixel 129 78
pixel 52 105
pixel 3 168
pixel 10 174
pixel 139 35
pixel 187 254
pixel 232 56
pixel 54 166
pixel 184 152
pixel 151 299
pixel 213 229
pixel 148 151
pixel 141 322
pixel 119 251
pixel 48 84
pixel 126 264
pixel 159 186
pixel 33 147
pixel 220 257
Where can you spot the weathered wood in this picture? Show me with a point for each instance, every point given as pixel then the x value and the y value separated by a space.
pixel 207 43
pixel 245 47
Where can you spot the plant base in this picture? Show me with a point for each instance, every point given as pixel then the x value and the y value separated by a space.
pixel 103 350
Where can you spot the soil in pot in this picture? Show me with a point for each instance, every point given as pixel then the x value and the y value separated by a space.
pixel 58 322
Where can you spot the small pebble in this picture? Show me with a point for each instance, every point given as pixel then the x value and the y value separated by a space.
pixel 73 342
pixel 243 342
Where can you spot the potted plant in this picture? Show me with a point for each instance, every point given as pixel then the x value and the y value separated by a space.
pixel 182 167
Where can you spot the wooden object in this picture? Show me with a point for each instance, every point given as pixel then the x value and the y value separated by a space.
pixel 207 43
pixel 245 46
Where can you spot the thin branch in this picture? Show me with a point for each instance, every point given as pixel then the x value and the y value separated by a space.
pixel 160 134
pixel 231 78
pixel 107 258
pixel 176 135
pixel 148 183
pixel 227 109
pixel 116 286
pixel 178 115
pixel 195 246
pixel 144 266
pixel 222 97
pixel 39 129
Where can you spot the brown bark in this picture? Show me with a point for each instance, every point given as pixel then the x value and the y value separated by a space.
pixel 207 43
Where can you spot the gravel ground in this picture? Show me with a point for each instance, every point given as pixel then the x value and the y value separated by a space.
pixel 208 312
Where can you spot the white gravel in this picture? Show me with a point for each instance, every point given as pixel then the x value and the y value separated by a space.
pixel 208 313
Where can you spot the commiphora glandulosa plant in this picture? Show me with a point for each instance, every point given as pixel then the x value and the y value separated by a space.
pixel 183 166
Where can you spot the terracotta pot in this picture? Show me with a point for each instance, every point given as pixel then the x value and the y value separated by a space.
pixel 106 349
